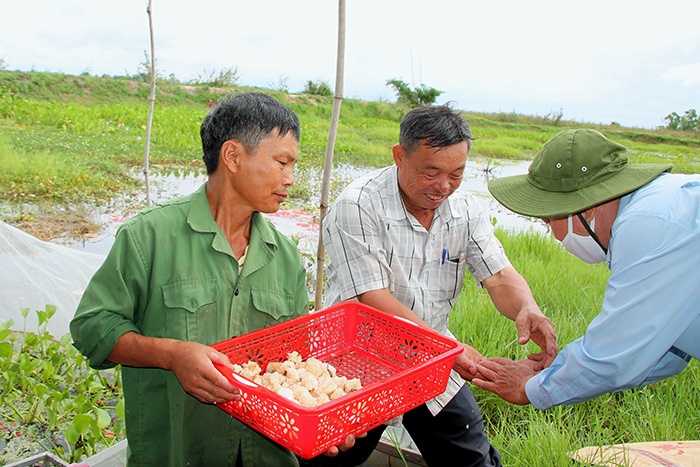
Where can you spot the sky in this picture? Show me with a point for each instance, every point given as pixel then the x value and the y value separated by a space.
pixel 627 61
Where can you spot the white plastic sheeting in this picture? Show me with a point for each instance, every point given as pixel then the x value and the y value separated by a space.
pixel 34 273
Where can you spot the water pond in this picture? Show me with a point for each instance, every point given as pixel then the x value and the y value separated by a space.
pixel 292 220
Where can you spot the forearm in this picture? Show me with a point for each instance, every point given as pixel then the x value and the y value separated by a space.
pixel 383 300
pixel 510 293
pixel 135 350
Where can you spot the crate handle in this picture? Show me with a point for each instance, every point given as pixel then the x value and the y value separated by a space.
pixel 226 372
pixel 244 381
pixel 406 320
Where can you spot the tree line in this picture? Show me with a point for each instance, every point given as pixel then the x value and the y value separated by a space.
pixel 687 122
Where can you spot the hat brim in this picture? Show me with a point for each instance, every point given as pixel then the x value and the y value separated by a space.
pixel 520 196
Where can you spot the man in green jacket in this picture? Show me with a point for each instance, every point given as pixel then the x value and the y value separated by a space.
pixel 194 271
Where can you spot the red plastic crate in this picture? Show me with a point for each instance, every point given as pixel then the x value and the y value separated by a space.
pixel 400 364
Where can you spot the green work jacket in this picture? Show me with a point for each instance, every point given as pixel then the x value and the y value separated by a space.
pixel 171 273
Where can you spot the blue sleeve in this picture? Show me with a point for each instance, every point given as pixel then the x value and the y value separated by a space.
pixel 648 304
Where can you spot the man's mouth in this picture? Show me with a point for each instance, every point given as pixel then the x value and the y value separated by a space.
pixel 434 197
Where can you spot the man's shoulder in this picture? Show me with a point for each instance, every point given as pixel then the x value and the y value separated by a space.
pixel 369 185
pixel 162 213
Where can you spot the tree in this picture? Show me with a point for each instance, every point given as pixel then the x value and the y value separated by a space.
pixel 687 122
pixel 674 121
pixel 416 97
pixel 318 88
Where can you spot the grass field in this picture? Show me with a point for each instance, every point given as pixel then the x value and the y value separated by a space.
pixel 67 142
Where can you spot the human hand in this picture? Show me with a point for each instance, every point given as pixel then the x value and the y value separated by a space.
pixel 347 444
pixel 535 326
pixel 465 363
pixel 505 378
pixel 193 365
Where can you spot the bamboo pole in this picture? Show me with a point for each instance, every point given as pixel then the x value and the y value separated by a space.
pixel 151 106
pixel 328 166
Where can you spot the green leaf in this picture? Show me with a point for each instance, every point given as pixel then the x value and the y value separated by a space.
pixel 5 326
pixel 39 390
pixel 50 311
pixel 5 350
pixel 95 386
pixel 103 418
pixel 66 340
pixel 82 423
pixel 121 412
pixel 71 434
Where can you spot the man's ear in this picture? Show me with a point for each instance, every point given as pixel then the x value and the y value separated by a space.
pixel 399 155
pixel 230 154
pixel 589 213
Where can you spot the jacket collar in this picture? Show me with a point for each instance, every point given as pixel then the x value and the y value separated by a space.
pixel 262 239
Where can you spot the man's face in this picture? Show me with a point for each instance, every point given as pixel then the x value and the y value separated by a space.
pixel 428 175
pixel 267 174
pixel 559 226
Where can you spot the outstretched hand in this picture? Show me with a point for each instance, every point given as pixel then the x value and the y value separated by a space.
pixel 535 326
pixel 505 378
pixel 466 363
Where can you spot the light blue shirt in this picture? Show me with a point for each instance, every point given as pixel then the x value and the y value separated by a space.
pixel 650 313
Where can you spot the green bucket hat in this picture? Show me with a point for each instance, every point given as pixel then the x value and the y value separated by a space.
pixel 574 170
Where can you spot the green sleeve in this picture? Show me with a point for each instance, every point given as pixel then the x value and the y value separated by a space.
pixel 109 305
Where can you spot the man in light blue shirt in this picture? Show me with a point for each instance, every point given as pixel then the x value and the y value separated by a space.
pixel 645 223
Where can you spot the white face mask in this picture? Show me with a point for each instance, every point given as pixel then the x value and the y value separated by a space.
pixel 583 246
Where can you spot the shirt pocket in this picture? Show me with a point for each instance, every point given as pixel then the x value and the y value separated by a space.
pixel 447 281
pixel 190 307
pixel 270 307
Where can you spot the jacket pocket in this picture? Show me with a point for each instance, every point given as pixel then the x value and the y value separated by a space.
pixel 190 309
pixel 272 306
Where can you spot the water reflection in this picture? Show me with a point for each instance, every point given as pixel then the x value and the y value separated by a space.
pixel 296 222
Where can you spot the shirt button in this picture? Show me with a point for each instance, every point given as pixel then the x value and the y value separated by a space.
pixel 235 292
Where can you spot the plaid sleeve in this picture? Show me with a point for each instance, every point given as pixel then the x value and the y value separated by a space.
pixel 485 253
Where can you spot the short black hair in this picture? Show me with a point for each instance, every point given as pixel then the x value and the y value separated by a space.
pixel 247 118
pixel 436 126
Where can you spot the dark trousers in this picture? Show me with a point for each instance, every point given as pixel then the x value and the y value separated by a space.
pixel 453 437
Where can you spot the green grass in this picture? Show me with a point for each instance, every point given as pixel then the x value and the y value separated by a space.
pixel 73 139
pixel 54 173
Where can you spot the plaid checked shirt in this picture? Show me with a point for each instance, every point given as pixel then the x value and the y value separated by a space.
pixel 373 243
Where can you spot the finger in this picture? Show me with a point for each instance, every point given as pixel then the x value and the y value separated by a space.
pixel 486 372
pixel 552 346
pixel 495 361
pixel 523 337
pixel 483 384
pixel 332 452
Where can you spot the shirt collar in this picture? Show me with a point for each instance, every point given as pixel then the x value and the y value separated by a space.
pixel 200 219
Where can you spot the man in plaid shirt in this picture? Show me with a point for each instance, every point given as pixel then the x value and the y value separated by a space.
pixel 400 239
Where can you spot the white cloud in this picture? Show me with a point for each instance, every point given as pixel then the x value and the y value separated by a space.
pixel 688 74
pixel 598 61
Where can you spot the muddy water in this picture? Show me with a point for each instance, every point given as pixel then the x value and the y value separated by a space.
pixel 299 222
